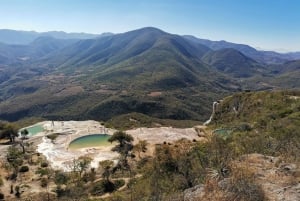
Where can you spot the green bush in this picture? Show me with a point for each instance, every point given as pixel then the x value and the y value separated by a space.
pixel 103 187
pixel 119 183
pixel 17 189
pixel 24 168
pixel 42 171
pixel 44 164
pixel 44 182
pixel 61 178
pixel 60 191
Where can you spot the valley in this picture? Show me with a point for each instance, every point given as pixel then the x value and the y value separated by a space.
pixel 115 73
pixel 147 115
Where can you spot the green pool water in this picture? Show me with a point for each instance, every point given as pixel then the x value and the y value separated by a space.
pixel 33 130
pixel 94 140
pixel 222 131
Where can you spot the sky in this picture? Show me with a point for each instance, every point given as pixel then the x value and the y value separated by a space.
pixel 263 24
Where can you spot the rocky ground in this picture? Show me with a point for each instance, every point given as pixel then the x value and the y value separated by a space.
pixel 280 181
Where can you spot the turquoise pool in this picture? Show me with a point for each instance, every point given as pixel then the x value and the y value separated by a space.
pixel 93 140
pixel 224 132
pixel 33 130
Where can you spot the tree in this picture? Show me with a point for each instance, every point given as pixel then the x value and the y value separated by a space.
pixel 106 165
pixel 121 137
pixel 124 147
pixel 60 178
pixel 8 131
pixel 83 163
pixel 141 146
pixel 24 133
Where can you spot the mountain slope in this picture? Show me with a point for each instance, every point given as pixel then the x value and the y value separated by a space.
pixel 146 71
pixel 114 49
pixel 114 75
pixel 150 55
pixel 233 62
pixel 40 47
pixel 266 57
pixel 287 74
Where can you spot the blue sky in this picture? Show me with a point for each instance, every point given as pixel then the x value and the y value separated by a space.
pixel 267 24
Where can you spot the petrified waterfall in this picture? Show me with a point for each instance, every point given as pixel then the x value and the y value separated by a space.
pixel 215 103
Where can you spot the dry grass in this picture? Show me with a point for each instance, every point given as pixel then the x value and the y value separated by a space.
pixel 241 185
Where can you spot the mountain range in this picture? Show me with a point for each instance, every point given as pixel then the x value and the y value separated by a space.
pixel 149 71
pixel 267 57
pixel 25 37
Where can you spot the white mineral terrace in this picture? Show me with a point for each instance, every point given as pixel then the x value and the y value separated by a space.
pixel 60 156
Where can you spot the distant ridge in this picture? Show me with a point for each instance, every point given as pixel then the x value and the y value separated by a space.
pixel 25 37
pixel 267 57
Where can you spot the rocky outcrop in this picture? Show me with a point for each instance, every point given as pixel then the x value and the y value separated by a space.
pixel 194 193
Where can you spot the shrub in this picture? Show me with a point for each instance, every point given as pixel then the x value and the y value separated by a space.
pixel 44 164
pixel 44 182
pixel 42 171
pixel 242 186
pixel 89 176
pixel 13 176
pixel 60 191
pixel 119 183
pixel 244 127
pixel 60 178
pixel 1 196
pixel 103 187
pixel 24 168
pixel 17 189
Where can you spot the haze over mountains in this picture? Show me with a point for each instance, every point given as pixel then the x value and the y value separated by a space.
pixel 25 37
pixel 79 76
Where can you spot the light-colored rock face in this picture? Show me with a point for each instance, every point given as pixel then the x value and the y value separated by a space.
pixel 194 193
pixel 163 134
pixel 58 153
pixel 60 157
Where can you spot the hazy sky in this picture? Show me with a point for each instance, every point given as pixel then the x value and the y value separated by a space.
pixel 267 24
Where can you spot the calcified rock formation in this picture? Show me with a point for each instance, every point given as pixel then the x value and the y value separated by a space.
pixel 215 103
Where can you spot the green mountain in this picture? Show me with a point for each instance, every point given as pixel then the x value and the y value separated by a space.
pixel 265 57
pixel 12 54
pixel 233 62
pixel 120 47
pixel 146 71
pixel 288 75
